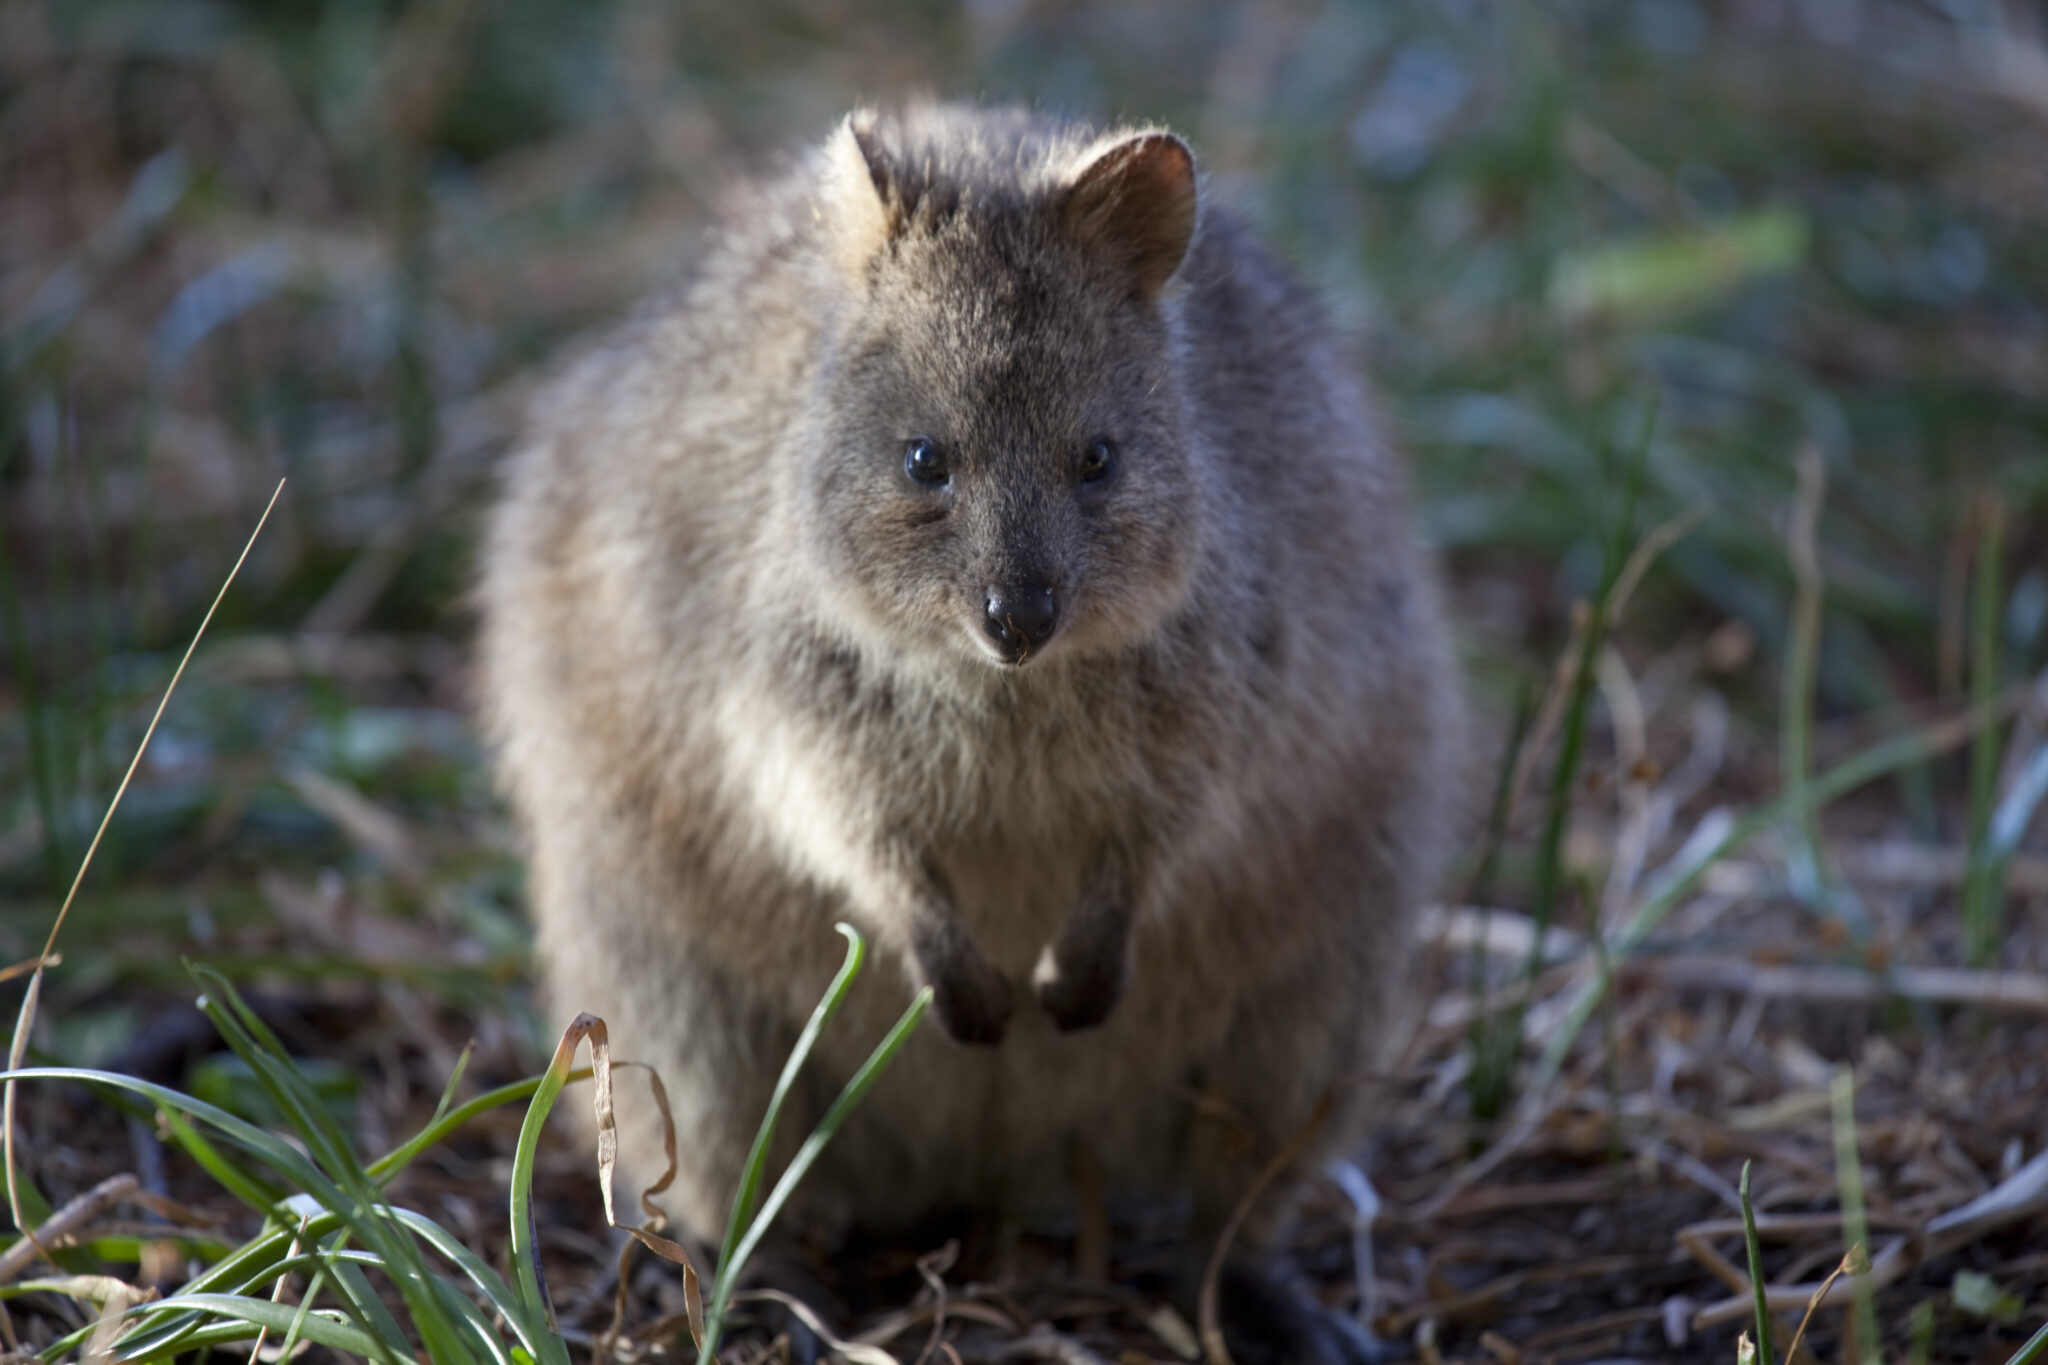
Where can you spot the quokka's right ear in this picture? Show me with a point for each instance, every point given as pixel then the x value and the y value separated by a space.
pixel 860 200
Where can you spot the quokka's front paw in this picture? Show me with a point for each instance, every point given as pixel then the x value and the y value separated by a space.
pixel 1078 993
pixel 971 998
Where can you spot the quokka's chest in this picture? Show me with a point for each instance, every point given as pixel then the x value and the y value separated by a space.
pixel 1024 772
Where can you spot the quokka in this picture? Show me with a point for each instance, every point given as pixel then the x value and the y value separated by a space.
pixel 990 546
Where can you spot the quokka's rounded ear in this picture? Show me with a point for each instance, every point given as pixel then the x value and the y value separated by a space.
pixel 859 199
pixel 1135 199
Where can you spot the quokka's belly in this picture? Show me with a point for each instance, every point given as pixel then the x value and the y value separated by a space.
pixel 951 1126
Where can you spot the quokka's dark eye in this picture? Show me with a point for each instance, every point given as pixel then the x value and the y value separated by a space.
pixel 925 463
pixel 1098 461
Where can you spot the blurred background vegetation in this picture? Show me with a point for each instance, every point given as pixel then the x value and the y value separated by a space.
pixel 337 242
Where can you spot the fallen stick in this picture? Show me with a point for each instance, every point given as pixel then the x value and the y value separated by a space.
pixel 2019 992
pixel 115 1189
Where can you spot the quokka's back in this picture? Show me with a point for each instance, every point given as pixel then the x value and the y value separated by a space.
pixel 991 547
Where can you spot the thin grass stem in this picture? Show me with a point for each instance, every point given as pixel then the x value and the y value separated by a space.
pixel 849 1095
pixel 1855 1221
pixel 1766 1349
pixel 1983 909
pixel 26 1021
pixel 748 1196
pixel 1802 652
pixel 1493 1049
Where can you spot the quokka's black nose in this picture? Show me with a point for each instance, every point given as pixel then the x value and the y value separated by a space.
pixel 1021 618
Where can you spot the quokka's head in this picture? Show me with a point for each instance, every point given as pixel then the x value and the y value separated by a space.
pixel 995 461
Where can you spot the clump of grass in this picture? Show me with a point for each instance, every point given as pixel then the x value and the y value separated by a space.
pixel 1497 1042
pixel 324 1210
pixel 1616 534
pixel 326 1216
pixel 1493 1044
pixel 1880 760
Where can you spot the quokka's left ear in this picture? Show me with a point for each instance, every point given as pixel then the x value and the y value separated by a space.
pixel 1134 198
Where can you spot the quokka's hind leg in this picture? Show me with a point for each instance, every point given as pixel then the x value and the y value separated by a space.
pixel 1266 1320
pixel 1297 1072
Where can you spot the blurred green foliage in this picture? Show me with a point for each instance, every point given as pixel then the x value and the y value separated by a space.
pixel 337 241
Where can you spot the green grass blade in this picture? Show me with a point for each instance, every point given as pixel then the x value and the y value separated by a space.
pixel 230 1177
pixel 525 1250
pixel 1766 1350
pixel 1563 782
pixel 266 1249
pixel 369 1311
pixel 179 1330
pixel 1855 1223
pixel 281 1079
pixel 288 1348
pixel 748 1197
pixel 1491 1047
pixel 252 1263
pixel 273 1151
pixel 325 1260
pixel 198 1345
pixel 398 1158
pixel 534 1336
pixel 306 1263
pixel 466 1315
pixel 454 1082
pixel 1802 654
pixel 849 1096
pixel 2036 1346
pixel 277 1317
pixel 1983 908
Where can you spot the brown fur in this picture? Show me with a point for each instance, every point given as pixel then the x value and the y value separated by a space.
pixel 736 666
